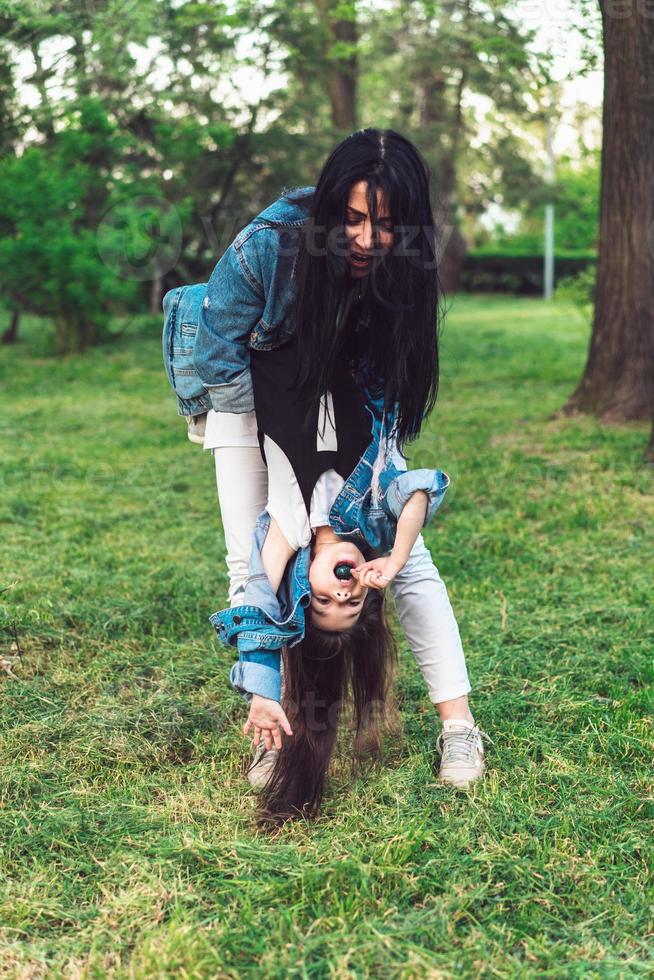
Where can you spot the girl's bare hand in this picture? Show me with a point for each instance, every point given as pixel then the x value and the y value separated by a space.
pixel 376 574
pixel 267 717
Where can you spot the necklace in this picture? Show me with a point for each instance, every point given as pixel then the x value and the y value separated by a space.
pixel 360 289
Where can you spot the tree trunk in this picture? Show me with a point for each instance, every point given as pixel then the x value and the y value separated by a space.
pixel 435 116
pixel 618 380
pixel 10 336
pixel 453 249
pixel 156 292
pixel 39 79
pixel 341 73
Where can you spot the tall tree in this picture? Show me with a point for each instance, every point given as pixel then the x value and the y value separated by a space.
pixel 10 133
pixel 618 380
pixel 320 44
pixel 434 65
pixel 339 60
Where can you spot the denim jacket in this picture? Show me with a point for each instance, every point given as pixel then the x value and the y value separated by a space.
pixel 366 509
pixel 209 328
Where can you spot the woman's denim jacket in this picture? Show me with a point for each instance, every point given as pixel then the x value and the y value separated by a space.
pixel 367 509
pixel 208 331
pixel 209 328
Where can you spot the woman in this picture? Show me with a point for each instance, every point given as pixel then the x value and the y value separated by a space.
pixel 338 266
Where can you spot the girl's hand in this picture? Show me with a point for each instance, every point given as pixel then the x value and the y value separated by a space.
pixel 266 717
pixel 376 574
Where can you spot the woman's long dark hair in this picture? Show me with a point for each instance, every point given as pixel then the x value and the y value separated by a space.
pixel 319 674
pixel 403 292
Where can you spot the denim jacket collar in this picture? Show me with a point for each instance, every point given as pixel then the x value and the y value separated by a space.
pixel 285 210
pixel 265 619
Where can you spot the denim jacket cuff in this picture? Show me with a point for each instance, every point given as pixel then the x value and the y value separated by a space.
pixel 234 396
pixel 252 678
pixel 193 406
pixel 434 482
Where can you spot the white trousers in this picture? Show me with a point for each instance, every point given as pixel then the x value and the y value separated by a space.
pixel 419 593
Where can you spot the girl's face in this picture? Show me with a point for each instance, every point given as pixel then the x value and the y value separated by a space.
pixel 335 604
pixel 358 229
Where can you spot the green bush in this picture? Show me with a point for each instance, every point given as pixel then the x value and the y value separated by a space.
pixel 580 290
pixel 57 253
pixel 503 271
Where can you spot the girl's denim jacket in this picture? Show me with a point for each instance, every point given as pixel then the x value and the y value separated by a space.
pixel 208 331
pixel 366 509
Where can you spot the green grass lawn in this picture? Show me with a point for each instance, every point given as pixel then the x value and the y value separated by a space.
pixel 128 847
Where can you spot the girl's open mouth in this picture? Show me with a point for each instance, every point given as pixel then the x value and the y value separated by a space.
pixel 342 569
pixel 360 260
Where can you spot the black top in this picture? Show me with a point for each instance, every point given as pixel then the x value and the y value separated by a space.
pixel 355 336
pixel 291 420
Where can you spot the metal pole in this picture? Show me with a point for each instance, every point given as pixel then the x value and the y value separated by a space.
pixel 548 270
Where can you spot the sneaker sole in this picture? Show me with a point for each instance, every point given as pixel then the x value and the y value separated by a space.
pixel 462 782
pixel 259 773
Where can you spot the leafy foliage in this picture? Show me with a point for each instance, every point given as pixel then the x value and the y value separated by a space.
pixel 49 262
pixel 575 196
pixel 212 109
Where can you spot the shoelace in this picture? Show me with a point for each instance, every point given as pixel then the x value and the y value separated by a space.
pixel 460 746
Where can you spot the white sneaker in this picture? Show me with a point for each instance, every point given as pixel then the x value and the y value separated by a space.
pixel 462 752
pixel 197 425
pixel 262 765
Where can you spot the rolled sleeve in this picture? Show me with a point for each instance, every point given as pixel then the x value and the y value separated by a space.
pixel 257 673
pixel 433 482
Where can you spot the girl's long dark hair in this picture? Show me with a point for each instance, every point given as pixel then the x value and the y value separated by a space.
pixel 403 292
pixel 319 674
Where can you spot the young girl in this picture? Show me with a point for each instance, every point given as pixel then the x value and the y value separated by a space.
pixel 334 493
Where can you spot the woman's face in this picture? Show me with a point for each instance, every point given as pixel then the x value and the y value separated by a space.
pixel 335 604
pixel 358 229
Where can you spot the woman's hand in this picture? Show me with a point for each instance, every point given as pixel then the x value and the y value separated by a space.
pixel 376 574
pixel 266 717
